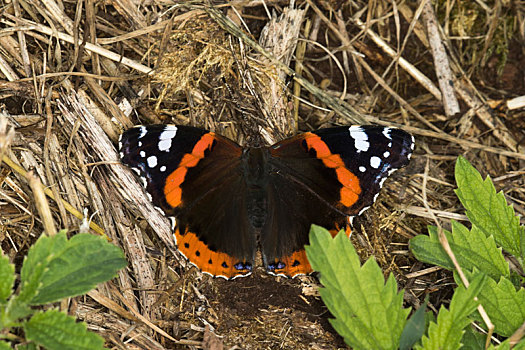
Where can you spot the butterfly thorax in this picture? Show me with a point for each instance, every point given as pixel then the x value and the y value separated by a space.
pixel 254 167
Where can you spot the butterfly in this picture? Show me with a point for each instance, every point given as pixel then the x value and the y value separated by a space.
pixel 228 202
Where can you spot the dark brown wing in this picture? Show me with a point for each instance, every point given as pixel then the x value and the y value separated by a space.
pixel 321 178
pixel 194 176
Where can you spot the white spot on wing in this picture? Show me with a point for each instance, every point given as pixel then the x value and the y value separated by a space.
pixel 171 130
pixel 140 144
pixel 360 138
pixel 162 168
pixel 142 154
pixel 166 136
pixel 143 132
pixel 386 132
pixel 152 161
pixel 362 169
pixel 165 145
pixel 386 154
pixel 375 162
pixel 173 224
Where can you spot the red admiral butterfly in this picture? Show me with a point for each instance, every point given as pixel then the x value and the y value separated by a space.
pixel 231 201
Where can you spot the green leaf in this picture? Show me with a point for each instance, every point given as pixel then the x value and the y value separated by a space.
pixel 473 340
pixel 504 305
pixel 36 262
pixel 471 248
pixel 414 328
pixel 5 345
pixel 27 346
pixel 7 278
pixel 487 209
pixel 56 267
pixel 519 346
pixel 56 330
pixel 14 311
pixel 368 313
pixel 503 346
pixel 448 331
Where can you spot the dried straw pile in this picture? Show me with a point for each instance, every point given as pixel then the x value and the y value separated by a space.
pixel 76 74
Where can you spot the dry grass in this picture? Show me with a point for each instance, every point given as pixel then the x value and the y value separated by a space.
pixel 76 74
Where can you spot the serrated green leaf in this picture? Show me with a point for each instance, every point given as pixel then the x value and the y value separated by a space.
pixel 368 312
pixel 27 346
pixel 7 278
pixel 5 345
pixel 84 261
pixel 447 332
pixel 471 248
pixel 519 346
pixel 473 340
pixel 414 328
pixel 428 249
pixel 14 311
pixel 503 303
pixel 56 267
pixel 487 209
pixel 503 346
pixel 36 262
pixel 56 330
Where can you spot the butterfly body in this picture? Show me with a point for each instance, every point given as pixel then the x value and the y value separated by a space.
pixel 229 202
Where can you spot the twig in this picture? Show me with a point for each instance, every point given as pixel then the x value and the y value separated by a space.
pixel 41 204
pixel 441 64
pixel 517 336
pixel 22 42
pixel 403 63
pixel 48 192
pixel 88 46
pixel 516 103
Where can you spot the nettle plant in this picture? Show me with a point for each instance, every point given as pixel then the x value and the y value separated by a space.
pixel 55 268
pixel 369 313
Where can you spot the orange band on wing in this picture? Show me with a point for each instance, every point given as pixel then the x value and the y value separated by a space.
pixel 172 189
pixel 351 188
pixel 293 265
pixel 207 260
pixel 335 231
pixel 297 263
